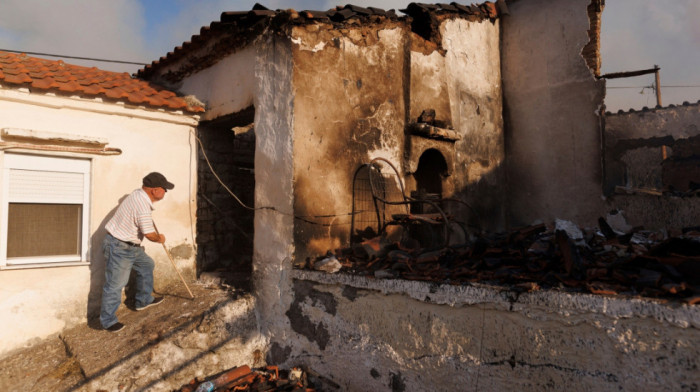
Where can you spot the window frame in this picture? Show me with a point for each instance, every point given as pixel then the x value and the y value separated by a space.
pixel 44 163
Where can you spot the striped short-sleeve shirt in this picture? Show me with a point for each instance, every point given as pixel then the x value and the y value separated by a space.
pixel 133 218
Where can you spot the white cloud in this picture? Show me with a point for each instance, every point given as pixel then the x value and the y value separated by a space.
pixel 85 28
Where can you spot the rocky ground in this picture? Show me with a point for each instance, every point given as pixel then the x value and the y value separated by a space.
pixel 160 349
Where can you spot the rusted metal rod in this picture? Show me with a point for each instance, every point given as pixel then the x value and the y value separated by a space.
pixel 173 263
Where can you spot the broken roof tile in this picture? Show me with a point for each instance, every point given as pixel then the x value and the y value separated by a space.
pixel 447 7
pixel 359 10
pixel 52 76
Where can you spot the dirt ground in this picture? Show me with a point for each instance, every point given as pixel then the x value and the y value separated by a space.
pixel 88 358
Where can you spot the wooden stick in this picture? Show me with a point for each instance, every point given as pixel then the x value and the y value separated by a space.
pixel 173 263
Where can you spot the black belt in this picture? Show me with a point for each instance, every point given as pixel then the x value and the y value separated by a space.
pixel 126 242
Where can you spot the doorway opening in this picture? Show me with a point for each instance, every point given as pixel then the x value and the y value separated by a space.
pixel 225 228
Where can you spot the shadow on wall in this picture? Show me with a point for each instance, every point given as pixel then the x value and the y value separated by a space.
pixel 97 269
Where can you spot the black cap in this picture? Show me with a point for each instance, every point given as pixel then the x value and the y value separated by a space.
pixel 157 180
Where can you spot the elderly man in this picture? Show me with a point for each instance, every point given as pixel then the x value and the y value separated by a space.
pixel 123 251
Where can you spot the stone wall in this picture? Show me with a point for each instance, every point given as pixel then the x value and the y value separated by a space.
pixel 394 335
pixel 637 143
pixel 652 160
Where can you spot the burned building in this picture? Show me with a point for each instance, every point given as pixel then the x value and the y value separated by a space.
pixel 348 86
pixel 498 106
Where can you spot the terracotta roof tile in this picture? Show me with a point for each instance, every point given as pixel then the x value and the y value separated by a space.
pixel 17 78
pixel 44 83
pixel 94 89
pixel 20 70
pixel 117 93
pixel 70 86
pixel 155 100
pixel 137 97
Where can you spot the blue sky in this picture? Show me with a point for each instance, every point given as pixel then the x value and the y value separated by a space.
pixel 636 34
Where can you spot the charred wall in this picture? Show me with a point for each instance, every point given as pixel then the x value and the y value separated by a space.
pixel 349 107
pixel 375 83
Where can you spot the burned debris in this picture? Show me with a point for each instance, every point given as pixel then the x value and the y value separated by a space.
pixel 603 260
pixel 243 378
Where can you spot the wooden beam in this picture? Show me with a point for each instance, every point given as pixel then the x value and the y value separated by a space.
pixel 616 75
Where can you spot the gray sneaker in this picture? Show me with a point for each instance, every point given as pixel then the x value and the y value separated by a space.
pixel 156 301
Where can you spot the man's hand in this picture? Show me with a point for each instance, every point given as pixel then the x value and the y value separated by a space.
pixel 155 237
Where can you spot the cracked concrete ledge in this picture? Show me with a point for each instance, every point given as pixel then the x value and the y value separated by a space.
pixel 558 302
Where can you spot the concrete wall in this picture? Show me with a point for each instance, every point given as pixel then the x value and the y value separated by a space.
pixel 35 303
pixel 553 132
pixel 393 335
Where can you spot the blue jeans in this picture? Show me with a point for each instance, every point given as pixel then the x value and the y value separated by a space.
pixel 121 258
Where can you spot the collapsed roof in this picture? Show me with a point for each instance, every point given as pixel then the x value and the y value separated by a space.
pixel 237 29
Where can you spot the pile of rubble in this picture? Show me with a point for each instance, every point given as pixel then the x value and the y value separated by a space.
pixel 612 259
pixel 243 378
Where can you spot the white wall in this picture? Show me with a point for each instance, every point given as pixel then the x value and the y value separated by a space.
pixel 36 303
pixel 225 87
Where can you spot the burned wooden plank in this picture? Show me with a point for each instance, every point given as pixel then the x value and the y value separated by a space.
pixel 569 253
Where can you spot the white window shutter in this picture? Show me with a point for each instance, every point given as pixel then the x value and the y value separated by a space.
pixel 33 186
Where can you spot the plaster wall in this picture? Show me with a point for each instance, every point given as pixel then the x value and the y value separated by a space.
pixel 274 186
pixel 349 108
pixel 473 64
pixel 36 303
pixel 429 84
pixel 420 336
pixel 225 87
pixel 553 132
pixel 462 83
